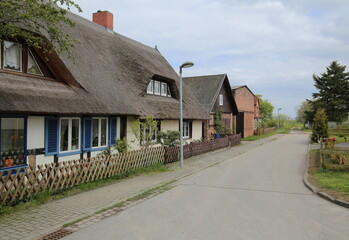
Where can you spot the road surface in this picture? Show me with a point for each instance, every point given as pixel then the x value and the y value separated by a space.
pixel 256 195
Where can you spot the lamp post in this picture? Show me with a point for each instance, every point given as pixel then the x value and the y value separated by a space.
pixel 279 119
pixel 184 65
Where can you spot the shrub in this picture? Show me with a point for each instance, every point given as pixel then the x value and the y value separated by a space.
pixel 121 145
pixel 169 138
pixel 320 127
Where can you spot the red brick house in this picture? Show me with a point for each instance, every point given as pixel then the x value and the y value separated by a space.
pixel 248 105
pixel 214 93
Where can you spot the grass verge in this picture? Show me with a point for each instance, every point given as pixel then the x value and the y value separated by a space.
pixel 331 182
pixel 257 137
pixel 45 197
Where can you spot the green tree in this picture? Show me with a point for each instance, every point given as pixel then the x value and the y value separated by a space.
pixel 320 126
pixel 305 112
pixel 170 138
pixel 29 20
pixel 265 108
pixel 145 130
pixel 333 97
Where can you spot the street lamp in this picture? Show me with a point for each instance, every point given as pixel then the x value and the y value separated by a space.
pixel 279 119
pixel 184 65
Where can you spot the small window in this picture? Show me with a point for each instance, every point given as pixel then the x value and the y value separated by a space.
pixel 163 89
pixel 33 67
pixel 156 87
pixel 168 91
pixel 12 147
pixel 12 56
pixel 186 129
pixel 100 131
pixel 150 89
pixel 220 100
pixel 69 134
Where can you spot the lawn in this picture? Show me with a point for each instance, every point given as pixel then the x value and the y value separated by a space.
pixel 335 183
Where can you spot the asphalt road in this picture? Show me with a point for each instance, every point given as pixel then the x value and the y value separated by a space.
pixel 256 195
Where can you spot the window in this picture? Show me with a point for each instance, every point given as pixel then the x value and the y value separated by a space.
pixel 163 89
pixel 150 88
pixel 99 132
pixel 149 134
pixel 159 88
pixel 12 142
pixel 156 87
pixel 14 61
pixel 12 56
pixel 33 67
pixel 187 129
pixel 69 134
pixel 220 100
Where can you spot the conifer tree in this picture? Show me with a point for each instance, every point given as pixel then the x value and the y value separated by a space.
pixel 333 97
pixel 320 126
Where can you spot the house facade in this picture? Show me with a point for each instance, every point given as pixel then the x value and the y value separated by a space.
pixel 56 110
pixel 248 105
pixel 214 94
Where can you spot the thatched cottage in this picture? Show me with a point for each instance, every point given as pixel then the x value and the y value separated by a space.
pixel 56 110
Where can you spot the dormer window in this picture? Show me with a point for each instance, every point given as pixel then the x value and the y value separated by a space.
pixel 33 67
pixel 159 88
pixel 12 56
pixel 19 58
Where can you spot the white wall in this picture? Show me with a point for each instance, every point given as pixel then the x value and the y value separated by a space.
pixel 36 132
pixel 197 130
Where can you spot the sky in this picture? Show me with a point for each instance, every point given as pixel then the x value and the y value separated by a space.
pixel 272 46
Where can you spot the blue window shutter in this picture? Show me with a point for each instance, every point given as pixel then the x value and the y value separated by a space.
pixel 51 136
pixel 113 127
pixel 87 138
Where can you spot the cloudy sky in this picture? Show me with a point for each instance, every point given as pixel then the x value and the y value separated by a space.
pixel 273 46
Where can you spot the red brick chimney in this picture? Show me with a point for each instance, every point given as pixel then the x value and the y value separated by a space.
pixel 103 18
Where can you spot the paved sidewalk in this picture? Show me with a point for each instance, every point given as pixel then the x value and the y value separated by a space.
pixel 52 216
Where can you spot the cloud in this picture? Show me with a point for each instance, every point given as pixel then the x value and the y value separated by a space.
pixel 273 46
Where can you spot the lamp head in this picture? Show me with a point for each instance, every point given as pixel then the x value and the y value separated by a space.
pixel 187 65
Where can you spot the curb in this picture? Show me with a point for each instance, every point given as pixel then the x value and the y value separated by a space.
pixel 318 192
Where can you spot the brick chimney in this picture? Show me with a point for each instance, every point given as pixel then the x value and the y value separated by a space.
pixel 103 18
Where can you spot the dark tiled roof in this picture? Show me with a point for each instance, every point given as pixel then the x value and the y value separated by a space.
pixel 113 72
pixel 206 89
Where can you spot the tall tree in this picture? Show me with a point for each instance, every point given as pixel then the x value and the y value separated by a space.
pixel 305 112
pixel 265 108
pixel 26 19
pixel 333 97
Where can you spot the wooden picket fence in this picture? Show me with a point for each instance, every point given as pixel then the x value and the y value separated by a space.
pixel 193 149
pixel 29 181
pixel 26 182
pixel 262 131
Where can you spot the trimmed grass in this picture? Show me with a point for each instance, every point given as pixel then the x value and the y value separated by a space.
pixel 334 183
pixel 44 197
pixel 257 137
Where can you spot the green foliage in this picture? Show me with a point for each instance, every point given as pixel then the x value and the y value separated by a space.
pixel 121 145
pixel 333 86
pixel 320 127
pixel 305 112
pixel 265 108
pixel 169 138
pixel 145 130
pixel 267 123
pixel 219 125
pixel 26 19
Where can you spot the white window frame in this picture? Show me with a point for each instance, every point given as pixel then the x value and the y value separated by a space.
pixel 186 125
pixel 159 84
pixel 70 120
pixel 100 132
pixel 220 99
pixel 150 89
pixel 168 91
pixel 32 56
pixel 20 57
pixel 163 89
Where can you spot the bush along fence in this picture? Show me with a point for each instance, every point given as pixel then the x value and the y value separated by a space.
pixel 24 183
pixel 262 131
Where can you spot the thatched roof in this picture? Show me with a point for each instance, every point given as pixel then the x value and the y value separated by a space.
pixel 206 89
pixel 111 72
